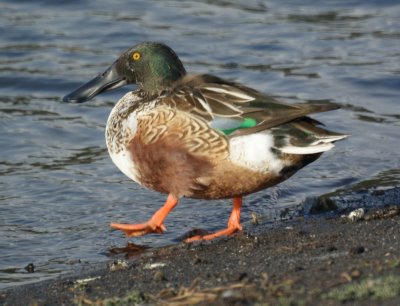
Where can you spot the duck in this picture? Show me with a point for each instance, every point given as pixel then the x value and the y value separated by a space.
pixel 200 136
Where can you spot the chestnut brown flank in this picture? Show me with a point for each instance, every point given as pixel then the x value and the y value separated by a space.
pixel 166 167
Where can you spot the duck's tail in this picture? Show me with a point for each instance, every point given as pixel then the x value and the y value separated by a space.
pixel 305 136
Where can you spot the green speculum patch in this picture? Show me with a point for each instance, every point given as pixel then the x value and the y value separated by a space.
pixel 246 123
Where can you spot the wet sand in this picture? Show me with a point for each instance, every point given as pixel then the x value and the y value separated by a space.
pixel 328 259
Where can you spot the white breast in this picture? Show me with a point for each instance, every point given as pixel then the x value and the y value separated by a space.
pixel 119 131
pixel 124 163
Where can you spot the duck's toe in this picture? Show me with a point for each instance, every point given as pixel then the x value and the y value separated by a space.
pixel 134 230
pixel 225 232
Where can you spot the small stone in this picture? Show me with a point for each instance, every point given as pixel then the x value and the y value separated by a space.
pixel 231 294
pixel 30 268
pixel 83 283
pixel 355 273
pixel 356 215
pixel 331 248
pixel 118 265
pixel 196 261
pixel 242 276
pixel 256 241
pixel 357 250
pixel 159 276
pixel 346 277
pixel 320 205
pixel 154 265
pixel 254 219
pixel 264 279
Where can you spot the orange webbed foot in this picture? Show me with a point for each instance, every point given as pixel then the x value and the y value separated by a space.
pixel 225 232
pixel 135 230
pixel 233 224
pixel 154 225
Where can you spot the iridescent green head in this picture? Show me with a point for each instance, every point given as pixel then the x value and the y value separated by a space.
pixel 153 66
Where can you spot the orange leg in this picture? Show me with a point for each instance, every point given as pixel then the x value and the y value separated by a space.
pixel 154 225
pixel 233 224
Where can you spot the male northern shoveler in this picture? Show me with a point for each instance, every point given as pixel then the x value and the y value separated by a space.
pixel 200 136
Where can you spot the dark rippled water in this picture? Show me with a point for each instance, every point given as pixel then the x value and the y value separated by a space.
pixel 59 189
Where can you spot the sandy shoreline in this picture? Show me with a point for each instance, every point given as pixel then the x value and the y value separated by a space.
pixel 305 261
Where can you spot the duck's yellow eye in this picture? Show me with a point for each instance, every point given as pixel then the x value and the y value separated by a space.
pixel 136 56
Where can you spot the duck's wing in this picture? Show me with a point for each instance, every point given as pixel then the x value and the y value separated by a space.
pixel 233 108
